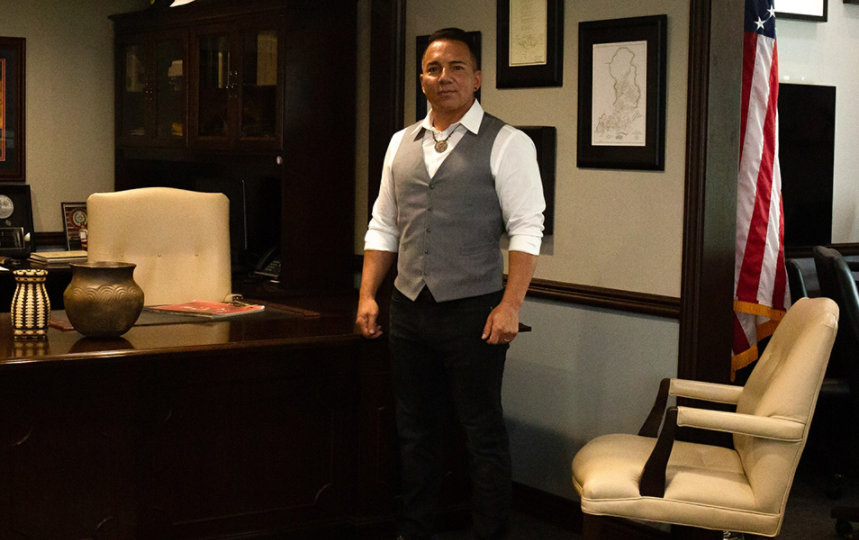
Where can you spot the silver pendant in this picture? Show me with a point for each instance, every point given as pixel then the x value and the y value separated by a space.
pixel 440 146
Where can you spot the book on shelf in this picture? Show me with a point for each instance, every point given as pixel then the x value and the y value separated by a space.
pixel 212 310
pixel 52 258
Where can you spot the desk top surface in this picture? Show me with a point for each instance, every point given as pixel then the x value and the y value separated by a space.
pixel 278 326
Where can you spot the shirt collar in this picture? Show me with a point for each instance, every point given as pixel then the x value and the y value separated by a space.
pixel 471 119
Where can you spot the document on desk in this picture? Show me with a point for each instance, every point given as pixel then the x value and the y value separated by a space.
pixel 212 310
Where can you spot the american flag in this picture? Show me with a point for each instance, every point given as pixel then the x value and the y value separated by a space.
pixel 760 292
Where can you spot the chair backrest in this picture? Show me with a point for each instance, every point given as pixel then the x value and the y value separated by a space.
pixel 795 279
pixel 837 282
pixel 784 384
pixel 179 240
pixel 802 271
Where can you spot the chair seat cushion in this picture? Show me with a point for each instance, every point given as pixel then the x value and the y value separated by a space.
pixel 607 470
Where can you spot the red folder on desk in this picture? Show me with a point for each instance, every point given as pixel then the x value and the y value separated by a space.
pixel 213 310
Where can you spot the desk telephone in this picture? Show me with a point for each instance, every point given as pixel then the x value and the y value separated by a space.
pixel 269 265
pixel 14 244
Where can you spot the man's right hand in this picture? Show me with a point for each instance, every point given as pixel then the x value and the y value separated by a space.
pixel 367 319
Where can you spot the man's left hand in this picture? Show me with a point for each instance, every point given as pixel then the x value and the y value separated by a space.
pixel 502 325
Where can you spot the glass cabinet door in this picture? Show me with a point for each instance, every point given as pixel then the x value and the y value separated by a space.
pixel 259 85
pixel 135 92
pixel 170 86
pixel 217 82
pixel 152 90
pixel 236 100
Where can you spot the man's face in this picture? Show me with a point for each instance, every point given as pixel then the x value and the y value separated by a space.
pixel 449 79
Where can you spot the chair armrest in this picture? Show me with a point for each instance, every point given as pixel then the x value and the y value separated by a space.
pixel 650 427
pixel 652 483
pixel 706 391
pixel 765 427
pixel 686 388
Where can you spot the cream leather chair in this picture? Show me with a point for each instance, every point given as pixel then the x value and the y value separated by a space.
pixel 740 489
pixel 179 240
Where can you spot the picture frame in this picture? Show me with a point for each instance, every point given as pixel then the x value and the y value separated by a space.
pixel 421 43
pixel 530 43
pixel 622 131
pixel 16 206
pixel 546 142
pixel 12 108
pixel 74 219
pixel 806 10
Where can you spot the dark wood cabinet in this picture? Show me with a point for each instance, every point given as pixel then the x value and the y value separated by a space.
pixel 255 99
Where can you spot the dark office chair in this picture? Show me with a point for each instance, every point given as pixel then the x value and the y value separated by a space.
pixel 796 280
pixel 837 282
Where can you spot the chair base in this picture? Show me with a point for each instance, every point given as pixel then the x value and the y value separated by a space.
pixel 844 517
pixel 612 528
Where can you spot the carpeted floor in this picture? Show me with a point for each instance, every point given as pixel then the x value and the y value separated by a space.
pixel 807 514
pixel 806 517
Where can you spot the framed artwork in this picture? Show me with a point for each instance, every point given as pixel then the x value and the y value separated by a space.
pixel 530 43
pixel 11 108
pixel 546 141
pixel 621 109
pixel 74 219
pixel 807 10
pixel 421 43
pixel 16 207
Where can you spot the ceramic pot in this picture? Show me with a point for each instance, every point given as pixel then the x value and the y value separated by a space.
pixel 31 308
pixel 102 299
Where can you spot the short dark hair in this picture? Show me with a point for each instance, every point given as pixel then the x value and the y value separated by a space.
pixel 457 34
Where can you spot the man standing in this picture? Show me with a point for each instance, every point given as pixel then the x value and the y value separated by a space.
pixel 451 186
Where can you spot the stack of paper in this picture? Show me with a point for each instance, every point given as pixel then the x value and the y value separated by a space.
pixel 57 258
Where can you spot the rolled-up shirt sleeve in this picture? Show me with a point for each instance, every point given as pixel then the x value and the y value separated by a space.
pixel 383 234
pixel 520 189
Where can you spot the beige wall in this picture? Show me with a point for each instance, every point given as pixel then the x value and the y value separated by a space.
pixel 69 98
pixel 615 229
pixel 826 53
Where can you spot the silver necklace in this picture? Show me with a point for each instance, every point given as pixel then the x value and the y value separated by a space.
pixel 441 145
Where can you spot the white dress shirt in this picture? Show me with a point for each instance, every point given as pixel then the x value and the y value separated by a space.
pixel 512 162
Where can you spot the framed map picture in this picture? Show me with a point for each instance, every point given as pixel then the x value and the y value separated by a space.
pixel 621 109
pixel 530 43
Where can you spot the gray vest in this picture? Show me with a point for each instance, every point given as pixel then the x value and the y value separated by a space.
pixel 450 226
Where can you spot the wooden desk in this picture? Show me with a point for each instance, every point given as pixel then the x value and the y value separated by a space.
pixel 251 426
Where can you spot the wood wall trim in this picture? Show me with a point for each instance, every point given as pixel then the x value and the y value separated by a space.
pixel 49 238
pixel 619 300
pixel 797 252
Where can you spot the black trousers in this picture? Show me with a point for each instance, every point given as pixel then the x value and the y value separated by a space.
pixel 439 360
